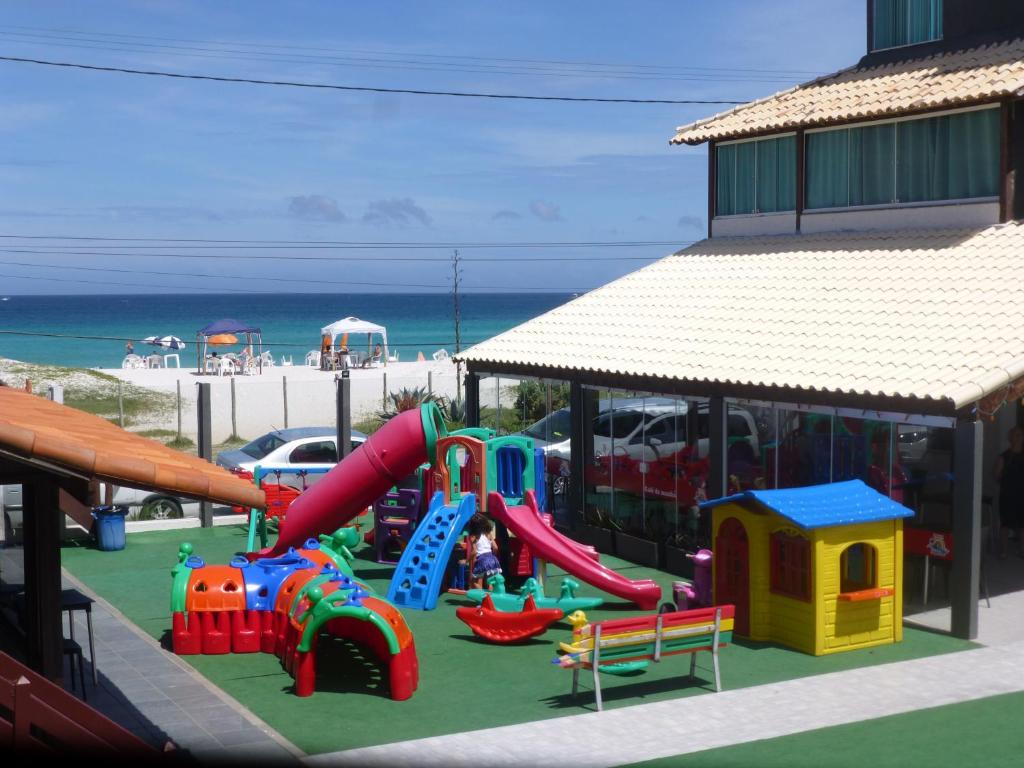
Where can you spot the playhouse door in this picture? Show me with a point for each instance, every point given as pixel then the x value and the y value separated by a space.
pixel 732 571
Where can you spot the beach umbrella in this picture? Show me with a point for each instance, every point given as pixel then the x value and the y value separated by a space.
pixel 170 342
pixel 222 340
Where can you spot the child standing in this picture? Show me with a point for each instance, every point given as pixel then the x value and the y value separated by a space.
pixel 481 548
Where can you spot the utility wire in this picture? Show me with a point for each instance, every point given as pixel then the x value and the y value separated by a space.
pixel 359 88
pixel 154 242
pixel 50 335
pixel 551 62
pixel 362 63
pixel 309 281
pixel 302 257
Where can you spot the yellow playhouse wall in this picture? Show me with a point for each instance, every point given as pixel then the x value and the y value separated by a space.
pixel 847 625
pixel 773 618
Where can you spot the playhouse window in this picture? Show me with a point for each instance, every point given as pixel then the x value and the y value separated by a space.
pixel 858 568
pixel 791 566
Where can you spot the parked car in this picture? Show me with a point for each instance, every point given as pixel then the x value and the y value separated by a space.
pixel 640 429
pixel 296 447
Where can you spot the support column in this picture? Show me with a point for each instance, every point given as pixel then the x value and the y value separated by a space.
pixel 43 627
pixel 966 572
pixel 343 406
pixel 204 440
pixel 718 442
pixel 582 412
pixel 472 399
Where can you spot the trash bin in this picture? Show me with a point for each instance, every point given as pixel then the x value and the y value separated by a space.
pixel 110 527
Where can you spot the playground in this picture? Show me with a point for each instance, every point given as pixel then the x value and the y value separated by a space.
pixel 351 707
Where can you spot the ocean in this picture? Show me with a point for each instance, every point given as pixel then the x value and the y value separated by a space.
pixel 290 323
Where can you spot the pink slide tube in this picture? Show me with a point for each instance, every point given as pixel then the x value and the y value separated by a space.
pixel 547 544
pixel 388 456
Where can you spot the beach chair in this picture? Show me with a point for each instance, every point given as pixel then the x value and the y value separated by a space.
pixel 441 354
pixel 225 367
pixel 393 358
pixel 132 361
pixel 313 358
pixel 268 360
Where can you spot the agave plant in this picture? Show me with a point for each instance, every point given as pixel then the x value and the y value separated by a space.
pixel 407 399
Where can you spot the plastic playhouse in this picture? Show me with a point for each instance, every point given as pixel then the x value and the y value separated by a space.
pixel 818 569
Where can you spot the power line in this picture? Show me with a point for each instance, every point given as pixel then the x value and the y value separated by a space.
pixel 359 88
pixel 389 64
pixel 552 62
pixel 302 257
pixel 340 244
pixel 52 335
pixel 313 281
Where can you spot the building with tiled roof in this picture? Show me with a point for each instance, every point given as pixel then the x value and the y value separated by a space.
pixel 855 313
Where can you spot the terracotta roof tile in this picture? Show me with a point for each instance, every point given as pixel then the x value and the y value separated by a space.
pixel 36 428
pixel 932 315
pixel 971 76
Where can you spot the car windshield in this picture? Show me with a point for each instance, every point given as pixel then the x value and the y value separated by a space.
pixel 261 446
pixel 554 427
pixel 618 423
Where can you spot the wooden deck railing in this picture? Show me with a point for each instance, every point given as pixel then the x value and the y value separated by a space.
pixel 36 714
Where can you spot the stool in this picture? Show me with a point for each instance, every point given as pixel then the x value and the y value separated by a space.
pixel 72 600
pixel 74 653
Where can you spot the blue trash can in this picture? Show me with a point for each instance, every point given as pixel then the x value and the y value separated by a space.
pixel 110 527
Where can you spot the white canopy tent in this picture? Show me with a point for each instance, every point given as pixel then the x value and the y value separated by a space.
pixel 350 325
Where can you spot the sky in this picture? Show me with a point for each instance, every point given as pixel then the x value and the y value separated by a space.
pixel 88 154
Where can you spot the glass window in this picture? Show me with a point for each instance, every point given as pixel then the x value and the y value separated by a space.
pixel 906 22
pixel 261 446
pixel 319 452
pixel 618 423
pixel 949 157
pixel 952 157
pixel 756 176
pixel 790 565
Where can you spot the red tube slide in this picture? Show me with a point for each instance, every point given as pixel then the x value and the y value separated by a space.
pixel 548 544
pixel 388 456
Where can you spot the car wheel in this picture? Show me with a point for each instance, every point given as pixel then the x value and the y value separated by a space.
pixel 160 508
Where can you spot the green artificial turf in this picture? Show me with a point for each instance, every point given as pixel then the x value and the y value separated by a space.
pixel 985 732
pixel 465 684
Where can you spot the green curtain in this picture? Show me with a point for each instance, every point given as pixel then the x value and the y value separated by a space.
pixel 872 154
pixel 827 169
pixel 725 176
pixel 953 157
pixel 746 160
pixel 776 174
pixel 905 22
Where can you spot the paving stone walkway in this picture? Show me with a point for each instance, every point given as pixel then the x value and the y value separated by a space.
pixel 682 726
pixel 159 698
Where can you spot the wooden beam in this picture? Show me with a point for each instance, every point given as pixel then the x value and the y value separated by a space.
pixel 43 625
pixel 718 447
pixel 76 510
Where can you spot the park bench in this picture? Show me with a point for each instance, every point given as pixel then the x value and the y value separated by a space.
pixel 620 645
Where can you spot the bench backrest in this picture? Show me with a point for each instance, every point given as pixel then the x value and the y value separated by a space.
pixel 666 634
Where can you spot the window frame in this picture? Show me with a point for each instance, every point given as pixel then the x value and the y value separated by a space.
pixel 806 211
pixel 789 539
pixel 871 552
pixel 756 211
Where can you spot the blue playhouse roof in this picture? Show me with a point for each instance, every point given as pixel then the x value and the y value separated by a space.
pixel 819 506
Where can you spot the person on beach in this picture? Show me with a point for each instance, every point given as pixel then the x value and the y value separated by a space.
pixel 378 353
pixel 129 348
pixel 480 548
pixel 1009 473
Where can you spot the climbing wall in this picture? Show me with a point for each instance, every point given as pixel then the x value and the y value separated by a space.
pixel 417 579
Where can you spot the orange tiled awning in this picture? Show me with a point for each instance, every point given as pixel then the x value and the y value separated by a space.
pixel 39 430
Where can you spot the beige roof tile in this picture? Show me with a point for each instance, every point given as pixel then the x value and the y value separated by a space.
pixel 927 315
pixel 952 79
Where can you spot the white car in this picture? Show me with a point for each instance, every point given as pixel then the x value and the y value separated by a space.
pixel 298 447
pixel 641 429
